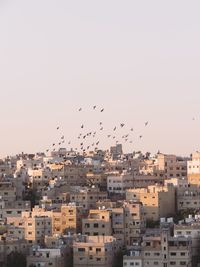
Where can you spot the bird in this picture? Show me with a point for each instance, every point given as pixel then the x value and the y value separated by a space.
pixel 58 128
pixel 140 136
pixel 102 109
pixel 146 123
pixel 131 129
pixel 47 150
pixel 122 125
pixel 100 123
pixel 113 137
pixel 80 109
pixel 94 107
pixel 109 135
pixel 69 142
pixel 53 144
pixel 62 137
pixel 115 128
pixel 82 126
pixel 101 128
pixel 97 143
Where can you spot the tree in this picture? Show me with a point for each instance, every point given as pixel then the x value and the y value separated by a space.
pixel 16 259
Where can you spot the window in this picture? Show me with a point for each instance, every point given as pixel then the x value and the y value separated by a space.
pixel 81 249
pixel 156 254
pixel 172 263
pixel 173 253
pixel 182 262
pixel 182 253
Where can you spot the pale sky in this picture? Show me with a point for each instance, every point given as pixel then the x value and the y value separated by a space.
pixel 140 60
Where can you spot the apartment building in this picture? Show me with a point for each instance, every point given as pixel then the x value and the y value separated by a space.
pixel 188 198
pixel 170 166
pixel 7 191
pixel 190 228
pixel 13 209
pixel 71 218
pixel 158 201
pixel 193 168
pixel 97 223
pixel 161 249
pixel 118 183
pixel 95 251
pixel 87 197
pixel 46 257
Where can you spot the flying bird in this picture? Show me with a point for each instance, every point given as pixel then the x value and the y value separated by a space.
pixel 146 123
pixel 122 125
pixel 94 107
pixel 140 136
pixel 82 126
pixel 58 128
pixel 102 109
pixel 80 109
pixel 115 128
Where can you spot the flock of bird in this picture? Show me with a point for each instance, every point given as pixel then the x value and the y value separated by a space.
pixel 90 140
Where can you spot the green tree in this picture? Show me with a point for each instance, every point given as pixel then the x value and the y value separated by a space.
pixel 16 259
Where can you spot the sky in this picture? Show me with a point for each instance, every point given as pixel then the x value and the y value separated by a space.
pixel 139 60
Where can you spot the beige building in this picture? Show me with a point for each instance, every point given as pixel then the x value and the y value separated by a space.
pixel 13 209
pixel 87 197
pixel 119 182
pixel 162 250
pixel 7 191
pixel 128 223
pixel 190 228
pixel 188 198
pixel 158 201
pixel 170 166
pixel 97 223
pixel 46 257
pixel 95 251
pixel 71 218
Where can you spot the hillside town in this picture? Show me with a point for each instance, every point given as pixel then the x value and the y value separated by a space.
pixel 103 208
